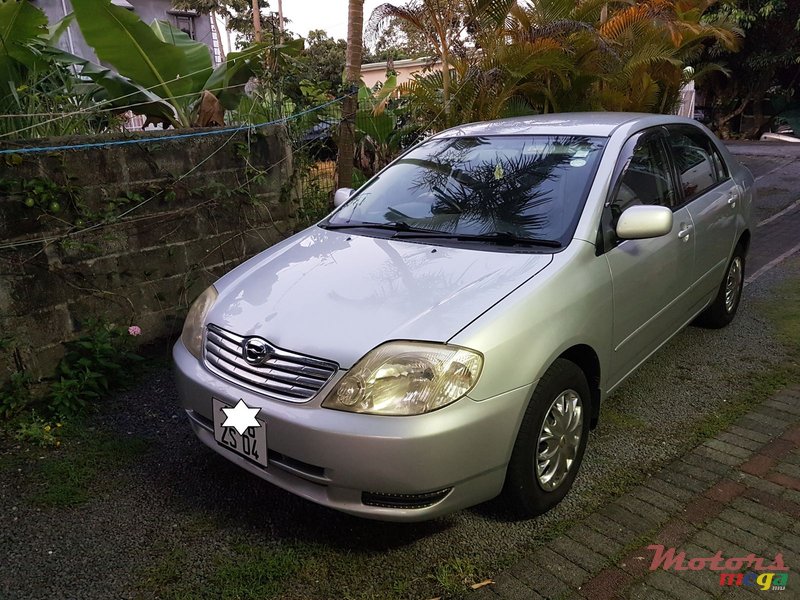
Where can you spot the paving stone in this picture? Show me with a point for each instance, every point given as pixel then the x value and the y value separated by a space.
pixel 791 495
pixel 764 416
pixel 748 523
pixel 644 591
pixel 759 465
pixel 705 580
pixel 683 481
pixel 763 513
pixel 699 473
pixel 709 464
pixel 668 489
pixel 591 538
pixel 790 541
pixel 792 458
pixel 784 481
pixel 579 554
pixel 701 509
pixel 759 484
pixel 787 407
pixel 606 585
pixel 789 469
pixel 637 563
pixel 727 448
pixel 775 503
pixel 777 448
pixel 621 534
pixel 674 534
pixel 623 516
pixel 793 435
pixel 657 499
pixel 713 543
pixel 510 588
pixel 740 537
pixel 564 569
pixel 725 490
pixel 739 440
pixel 639 507
pixel 750 422
pixel 675 586
pixel 722 457
pixel 756 436
pixel 539 579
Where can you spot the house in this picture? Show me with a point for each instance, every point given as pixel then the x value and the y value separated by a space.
pixel 372 73
pixel 197 25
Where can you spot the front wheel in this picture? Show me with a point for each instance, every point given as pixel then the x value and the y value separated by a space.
pixel 551 441
pixel 723 309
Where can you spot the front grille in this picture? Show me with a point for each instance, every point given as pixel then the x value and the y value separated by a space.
pixel 285 375
pixel 384 500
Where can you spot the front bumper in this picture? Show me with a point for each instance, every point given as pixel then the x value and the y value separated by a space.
pixel 333 457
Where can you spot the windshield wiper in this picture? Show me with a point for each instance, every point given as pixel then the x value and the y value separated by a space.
pixel 398 226
pixel 504 238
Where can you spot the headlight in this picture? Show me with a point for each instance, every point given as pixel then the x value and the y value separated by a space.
pixel 406 378
pixel 192 335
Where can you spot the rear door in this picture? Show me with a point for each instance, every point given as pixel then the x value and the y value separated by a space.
pixel 650 278
pixel 711 196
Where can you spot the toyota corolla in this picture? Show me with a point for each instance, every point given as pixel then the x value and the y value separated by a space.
pixel 449 332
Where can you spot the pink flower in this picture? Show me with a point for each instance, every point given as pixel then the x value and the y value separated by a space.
pixel 135 330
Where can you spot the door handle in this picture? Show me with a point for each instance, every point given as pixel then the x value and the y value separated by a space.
pixel 732 198
pixel 685 231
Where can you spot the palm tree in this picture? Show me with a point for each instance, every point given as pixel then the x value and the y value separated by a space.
pixel 344 161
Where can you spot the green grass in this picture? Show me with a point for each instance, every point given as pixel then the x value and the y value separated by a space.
pixel 454 575
pixel 67 476
pixel 252 572
pixel 612 417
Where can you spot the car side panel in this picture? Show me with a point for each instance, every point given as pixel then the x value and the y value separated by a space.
pixel 714 216
pixel 651 281
pixel 566 304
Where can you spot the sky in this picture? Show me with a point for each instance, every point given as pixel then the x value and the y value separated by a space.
pixel 330 15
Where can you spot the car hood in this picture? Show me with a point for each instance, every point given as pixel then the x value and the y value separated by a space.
pixel 337 295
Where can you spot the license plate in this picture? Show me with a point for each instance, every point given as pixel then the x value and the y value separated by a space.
pixel 252 445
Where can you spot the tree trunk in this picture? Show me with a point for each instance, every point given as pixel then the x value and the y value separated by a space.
pixel 446 80
pixel 344 160
pixel 256 21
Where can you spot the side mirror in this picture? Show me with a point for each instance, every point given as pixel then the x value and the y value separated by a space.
pixel 642 222
pixel 341 196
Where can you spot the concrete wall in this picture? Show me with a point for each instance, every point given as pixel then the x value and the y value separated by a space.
pixel 72 40
pixel 198 207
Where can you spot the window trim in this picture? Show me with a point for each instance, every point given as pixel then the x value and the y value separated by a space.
pixel 607 239
pixel 685 200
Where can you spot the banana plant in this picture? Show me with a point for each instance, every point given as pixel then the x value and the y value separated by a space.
pixel 173 73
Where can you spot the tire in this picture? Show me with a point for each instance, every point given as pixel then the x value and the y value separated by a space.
pixel 528 491
pixel 723 309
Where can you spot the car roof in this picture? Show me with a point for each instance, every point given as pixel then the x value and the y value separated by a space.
pixel 600 124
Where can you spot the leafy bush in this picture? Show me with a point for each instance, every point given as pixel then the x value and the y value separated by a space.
pixel 92 366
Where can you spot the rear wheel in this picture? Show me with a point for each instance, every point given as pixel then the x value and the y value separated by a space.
pixel 723 309
pixel 551 441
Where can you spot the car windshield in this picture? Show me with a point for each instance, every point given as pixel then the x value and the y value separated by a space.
pixel 496 187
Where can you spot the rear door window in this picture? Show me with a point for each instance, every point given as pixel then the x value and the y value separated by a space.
pixel 699 164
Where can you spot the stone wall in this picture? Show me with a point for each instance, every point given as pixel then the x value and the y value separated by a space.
pixel 130 234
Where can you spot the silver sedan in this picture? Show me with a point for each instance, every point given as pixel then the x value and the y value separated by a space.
pixel 449 332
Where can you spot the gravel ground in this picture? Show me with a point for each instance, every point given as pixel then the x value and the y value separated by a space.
pixel 182 495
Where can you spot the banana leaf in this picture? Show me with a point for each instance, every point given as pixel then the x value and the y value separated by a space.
pixel 120 38
pixel 197 55
pixel 115 91
pixel 228 79
pixel 21 24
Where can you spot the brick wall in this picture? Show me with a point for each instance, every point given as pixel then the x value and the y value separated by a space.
pixel 197 207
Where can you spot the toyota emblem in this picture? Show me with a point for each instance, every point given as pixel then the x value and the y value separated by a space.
pixel 256 351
